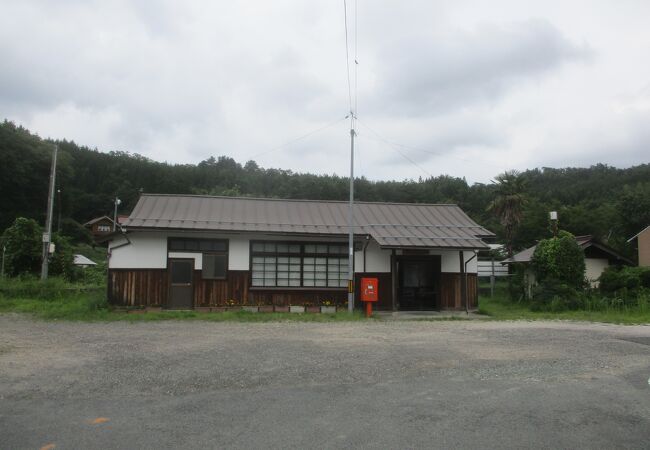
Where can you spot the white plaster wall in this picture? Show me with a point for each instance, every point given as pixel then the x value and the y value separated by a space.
pixel 197 257
pixel 594 267
pixel 450 261
pixel 146 251
pixel 377 260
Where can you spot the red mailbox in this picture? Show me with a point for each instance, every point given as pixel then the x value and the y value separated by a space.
pixel 369 293
pixel 369 288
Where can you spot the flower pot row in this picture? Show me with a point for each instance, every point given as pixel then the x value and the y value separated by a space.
pixel 253 309
pixel 290 309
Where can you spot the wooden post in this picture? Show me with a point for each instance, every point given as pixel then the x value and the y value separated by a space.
pixel 463 287
pixel 393 274
pixel 492 280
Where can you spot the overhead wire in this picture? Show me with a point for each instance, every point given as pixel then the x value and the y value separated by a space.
pixel 292 141
pixel 347 55
pixel 430 152
pixel 393 146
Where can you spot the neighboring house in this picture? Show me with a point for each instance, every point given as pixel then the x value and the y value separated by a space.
pixel 598 257
pixel 182 251
pixel 490 265
pixel 82 261
pixel 643 246
pixel 103 226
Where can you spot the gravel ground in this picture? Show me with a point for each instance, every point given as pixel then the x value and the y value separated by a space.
pixel 323 385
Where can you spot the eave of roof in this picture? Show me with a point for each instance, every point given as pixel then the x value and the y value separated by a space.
pixel 637 235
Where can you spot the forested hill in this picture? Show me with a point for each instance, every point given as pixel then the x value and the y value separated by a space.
pixel 610 203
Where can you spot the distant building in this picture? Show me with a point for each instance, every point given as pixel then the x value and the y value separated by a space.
pixel 82 261
pixel 598 257
pixel 643 246
pixel 101 226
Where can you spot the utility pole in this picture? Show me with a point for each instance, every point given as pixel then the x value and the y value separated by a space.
pixel 58 199
pixel 117 203
pixel 47 236
pixel 351 221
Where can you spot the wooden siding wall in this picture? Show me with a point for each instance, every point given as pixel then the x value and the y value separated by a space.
pixel 137 287
pixel 231 291
pixel 149 287
pixel 450 291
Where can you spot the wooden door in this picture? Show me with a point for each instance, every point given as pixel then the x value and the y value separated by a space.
pixel 418 283
pixel 181 289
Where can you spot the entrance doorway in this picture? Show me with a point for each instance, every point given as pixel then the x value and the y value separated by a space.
pixel 181 289
pixel 418 283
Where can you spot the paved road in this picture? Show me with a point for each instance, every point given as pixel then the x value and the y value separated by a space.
pixel 309 385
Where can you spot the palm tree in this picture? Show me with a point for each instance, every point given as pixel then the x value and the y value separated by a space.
pixel 508 204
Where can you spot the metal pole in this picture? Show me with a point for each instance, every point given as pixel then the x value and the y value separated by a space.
pixel 58 195
pixel 117 202
pixel 351 222
pixel 47 236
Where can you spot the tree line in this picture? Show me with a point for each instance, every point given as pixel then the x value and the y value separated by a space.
pixel 610 203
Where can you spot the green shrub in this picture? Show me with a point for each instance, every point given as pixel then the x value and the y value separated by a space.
pixel 555 295
pixel 560 259
pixel 517 283
pixel 24 247
pixel 53 288
pixel 76 232
pixel 625 282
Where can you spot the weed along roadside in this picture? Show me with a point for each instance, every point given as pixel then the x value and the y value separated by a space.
pixel 593 308
pixel 57 299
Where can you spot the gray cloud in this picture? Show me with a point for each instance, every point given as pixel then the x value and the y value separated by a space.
pixel 481 89
pixel 433 74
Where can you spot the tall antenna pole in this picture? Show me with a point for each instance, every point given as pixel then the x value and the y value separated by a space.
pixel 47 236
pixel 351 221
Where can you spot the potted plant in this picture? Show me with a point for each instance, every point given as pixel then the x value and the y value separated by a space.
pixel 311 308
pixel 265 308
pixel 296 308
pixel 231 305
pixel 327 307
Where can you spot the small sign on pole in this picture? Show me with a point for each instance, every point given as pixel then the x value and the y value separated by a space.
pixel 46 238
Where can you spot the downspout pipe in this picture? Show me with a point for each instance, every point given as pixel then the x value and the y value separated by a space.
pixel 365 246
pixel 108 262
pixel 466 294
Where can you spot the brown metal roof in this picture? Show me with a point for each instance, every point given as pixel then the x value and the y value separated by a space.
pixel 390 224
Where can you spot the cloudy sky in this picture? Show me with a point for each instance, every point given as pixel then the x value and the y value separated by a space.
pixel 465 88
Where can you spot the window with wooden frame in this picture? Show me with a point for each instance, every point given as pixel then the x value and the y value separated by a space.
pixel 278 264
pixel 215 254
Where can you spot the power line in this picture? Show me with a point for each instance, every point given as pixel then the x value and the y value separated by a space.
pixel 347 54
pixel 430 152
pixel 356 60
pixel 393 146
pixel 279 147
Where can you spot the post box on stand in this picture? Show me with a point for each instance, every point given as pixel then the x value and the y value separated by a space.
pixel 369 293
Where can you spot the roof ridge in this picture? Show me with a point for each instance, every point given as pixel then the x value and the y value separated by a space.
pixel 304 200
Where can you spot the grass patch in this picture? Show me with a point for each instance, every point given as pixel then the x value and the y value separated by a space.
pixel 501 308
pixel 92 307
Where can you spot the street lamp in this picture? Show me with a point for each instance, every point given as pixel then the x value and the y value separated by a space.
pixel 553 217
pixel 117 203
